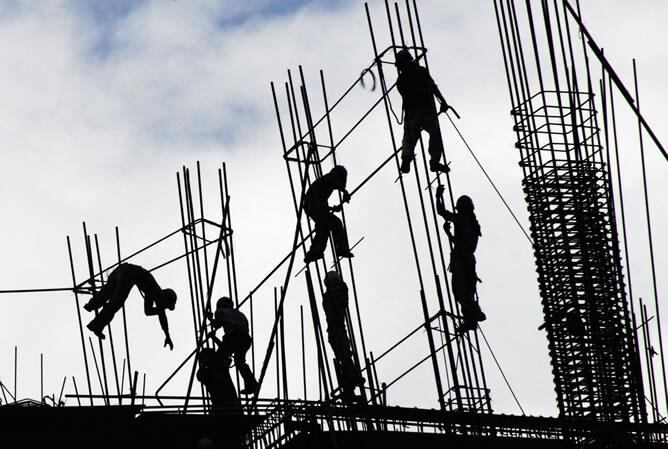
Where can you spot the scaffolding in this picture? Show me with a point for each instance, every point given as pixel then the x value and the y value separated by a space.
pixel 305 155
pixel 202 268
pixel 568 181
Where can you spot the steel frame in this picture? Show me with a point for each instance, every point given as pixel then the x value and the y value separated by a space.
pixel 590 322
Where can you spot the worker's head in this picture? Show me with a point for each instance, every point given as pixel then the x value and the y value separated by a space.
pixel 464 205
pixel 340 174
pixel 224 302
pixel 169 298
pixel 332 278
pixel 403 58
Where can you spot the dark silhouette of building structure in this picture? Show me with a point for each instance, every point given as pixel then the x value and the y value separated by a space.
pixel 567 181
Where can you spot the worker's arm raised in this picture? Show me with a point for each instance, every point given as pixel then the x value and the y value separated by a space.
pixel 440 205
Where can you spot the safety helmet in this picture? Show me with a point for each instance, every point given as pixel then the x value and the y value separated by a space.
pixel 403 57
pixel 169 298
pixel 339 171
pixel 332 278
pixel 224 302
pixel 465 204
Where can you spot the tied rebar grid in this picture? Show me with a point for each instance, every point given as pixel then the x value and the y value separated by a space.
pixel 591 338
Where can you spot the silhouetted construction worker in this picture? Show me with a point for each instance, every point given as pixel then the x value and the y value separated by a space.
pixel 214 374
pixel 462 258
pixel 335 304
pixel 318 209
pixel 236 340
pixel 113 294
pixel 417 89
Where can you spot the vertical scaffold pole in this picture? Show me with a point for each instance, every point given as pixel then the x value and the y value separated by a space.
pixel 83 341
pixel 111 336
pixel 401 180
pixel 91 273
pixel 650 240
pixel 125 323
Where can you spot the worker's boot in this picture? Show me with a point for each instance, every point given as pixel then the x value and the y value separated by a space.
pixel 250 387
pixel 436 166
pixel 312 256
pixel 467 325
pixel 94 329
pixel 406 164
pixel 344 253
pixel 89 306
pixel 476 313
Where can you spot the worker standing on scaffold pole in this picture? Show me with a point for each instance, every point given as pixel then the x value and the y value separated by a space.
pixel 417 89
pixel 462 258
pixel 317 208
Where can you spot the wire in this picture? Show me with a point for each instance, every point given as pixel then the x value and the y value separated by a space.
pixel 389 102
pixel 39 290
pixel 501 370
pixel 373 79
pixel 468 147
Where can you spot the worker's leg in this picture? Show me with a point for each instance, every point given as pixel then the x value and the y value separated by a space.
pixel 338 340
pixel 321 235
pixel 464 294
pixel 226 391
pixel 335 226
pixel 240 344
pixel 319 215
pixel 429 121
pixel 101 296
pixel 410 138
pixel 122 288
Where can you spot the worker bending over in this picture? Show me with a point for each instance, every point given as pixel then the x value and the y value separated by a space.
pixel 113 294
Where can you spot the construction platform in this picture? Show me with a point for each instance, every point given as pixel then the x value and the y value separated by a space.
pixel 302 424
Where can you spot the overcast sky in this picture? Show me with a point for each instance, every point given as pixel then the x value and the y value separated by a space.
pixel 102 102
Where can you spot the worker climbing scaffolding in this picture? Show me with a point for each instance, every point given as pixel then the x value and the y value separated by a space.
pixel 417 89
pixel 317 208
pixel 214 374
pixel 335 304
pixel 462 258
pixel 236 341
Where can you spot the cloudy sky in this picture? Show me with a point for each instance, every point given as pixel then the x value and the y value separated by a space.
pixel 103 102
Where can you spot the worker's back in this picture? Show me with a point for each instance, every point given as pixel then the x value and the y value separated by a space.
pixel 416 87
pixel 335 302
pixel 231 320
pixel 467 232
pixel 141 277
pixel 320 190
